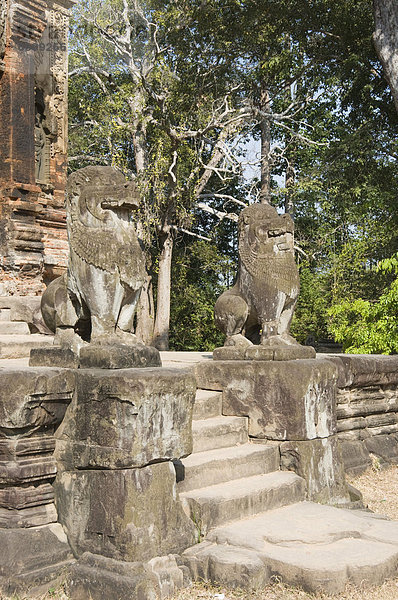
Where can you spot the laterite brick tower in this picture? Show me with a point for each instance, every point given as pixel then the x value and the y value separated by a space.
pixel 33 134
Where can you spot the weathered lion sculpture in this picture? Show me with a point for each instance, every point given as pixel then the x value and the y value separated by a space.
pixel 97 297
pixel 258 309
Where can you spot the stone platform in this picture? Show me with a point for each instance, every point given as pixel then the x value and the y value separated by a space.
pixel 247 486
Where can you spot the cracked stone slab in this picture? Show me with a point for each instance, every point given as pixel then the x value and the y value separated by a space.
pixel 307 544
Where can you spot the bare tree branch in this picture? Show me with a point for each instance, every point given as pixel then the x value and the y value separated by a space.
pixel 218 213
pixel 191 233
pixel 224 196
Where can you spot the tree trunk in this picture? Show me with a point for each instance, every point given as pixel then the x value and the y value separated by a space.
pixel 290 175
pixel 139 148
pixel 145 313
pixel 162 322
pixel 145 307
pixel 265 138
pixel 289 183
pixel 385 39
pixel 138 131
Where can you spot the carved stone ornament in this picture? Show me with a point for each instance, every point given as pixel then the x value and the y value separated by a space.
pixel 259 308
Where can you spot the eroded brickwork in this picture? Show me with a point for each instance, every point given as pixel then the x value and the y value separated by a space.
pixel 33 132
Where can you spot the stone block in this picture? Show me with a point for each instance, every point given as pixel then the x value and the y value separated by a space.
pixel 27 470
pixel 292 400
pixel 14 497
pixel 129 515
pixel 232 353
pixel 319 462
pixel 356 434
pixel 120 356
pixel 12 449
pixel 380 420
pixel 361 409
pixel 33 399
pixel 41 514
pixel 258 352
pixel 127 418
pixel 356 458
pixel 319 548
pixel 14 328
pixel 227 565
pixel 53 357
pixel 362 370
pixel 207 405
pixel 238 499
pixel 19 346
pixel 218 432
pixel 383 430
pixel 92 356
pixel 384 447
pixel 100 578
pixel 294 352
pixel 351 424
pixel 32 557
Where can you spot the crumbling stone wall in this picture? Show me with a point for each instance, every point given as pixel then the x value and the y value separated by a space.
pixel 32 405
pixel 367 410
pixel 33 130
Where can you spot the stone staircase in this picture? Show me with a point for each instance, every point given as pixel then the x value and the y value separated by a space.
pixel 16 340
pixel 254 522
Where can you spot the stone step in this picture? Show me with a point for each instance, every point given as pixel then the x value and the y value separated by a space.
pixel 219 432
pixel 317 547
pixel 208 404
pixel 5 314
pixel 217 504
pixel 19 346
pixel 14 328
pixel 224 464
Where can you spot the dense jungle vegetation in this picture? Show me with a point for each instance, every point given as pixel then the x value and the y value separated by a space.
pixel 214 104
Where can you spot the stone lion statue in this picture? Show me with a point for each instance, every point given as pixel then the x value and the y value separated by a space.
pixel 258 309
pixel 96 299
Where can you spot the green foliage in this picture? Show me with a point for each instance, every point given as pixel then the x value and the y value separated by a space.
pixel 366 327
pixel 197 282
pixel 309 320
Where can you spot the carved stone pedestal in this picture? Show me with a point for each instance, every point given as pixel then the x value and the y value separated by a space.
pixel 34 547
pixel 116 485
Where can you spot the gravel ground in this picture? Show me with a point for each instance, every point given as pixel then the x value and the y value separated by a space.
pixel 380 492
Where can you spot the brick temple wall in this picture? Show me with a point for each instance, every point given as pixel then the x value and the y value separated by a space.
pixel 33 126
